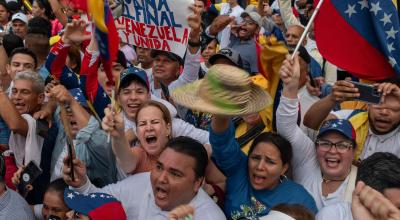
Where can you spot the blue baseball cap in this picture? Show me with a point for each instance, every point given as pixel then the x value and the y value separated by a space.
pixel 134 73
pixel 341 126
pixel 78 96
pixel 98 206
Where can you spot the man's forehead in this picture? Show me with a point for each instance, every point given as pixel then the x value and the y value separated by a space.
pixel 171 159
pixel 22 58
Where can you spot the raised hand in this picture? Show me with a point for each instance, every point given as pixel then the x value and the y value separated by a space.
pixel 343 90
pixel 182 212
pixel 113 123
pixel 75 32
pixel 79 172
pixel 388 89
pixel 61 94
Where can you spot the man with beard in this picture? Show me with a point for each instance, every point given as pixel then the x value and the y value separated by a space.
pixel 176 180
pixel 378 128
pixel 242 37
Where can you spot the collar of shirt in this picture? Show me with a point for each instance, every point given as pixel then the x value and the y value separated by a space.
pixel 383 137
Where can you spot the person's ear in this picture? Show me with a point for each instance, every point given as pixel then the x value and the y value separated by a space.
pixel 284 168
pixel 41 97
pixel 198 183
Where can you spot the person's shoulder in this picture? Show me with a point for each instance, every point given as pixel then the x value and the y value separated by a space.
pixel 293 188
pixel 206 208
pixel 139 179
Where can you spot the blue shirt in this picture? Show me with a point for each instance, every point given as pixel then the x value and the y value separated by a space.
pixel 241 200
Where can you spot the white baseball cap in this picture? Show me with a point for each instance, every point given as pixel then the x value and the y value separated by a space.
pixel 20 16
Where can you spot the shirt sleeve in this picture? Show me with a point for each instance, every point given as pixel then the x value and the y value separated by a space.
pixel 286 124
pixel 287 14
pixel 182 128
pixel 226 151
pixel 190 70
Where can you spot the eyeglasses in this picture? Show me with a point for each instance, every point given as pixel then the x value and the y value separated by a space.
pixel 245 21
pixel 341 147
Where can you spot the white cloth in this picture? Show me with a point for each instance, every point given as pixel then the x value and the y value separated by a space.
pixel 225 34
pixel 337 211
pixel 306 169
pixel 137 198
pixel 306 101
pixel 287 13
pixel 150 77
pixel 26 148
pixel 376 143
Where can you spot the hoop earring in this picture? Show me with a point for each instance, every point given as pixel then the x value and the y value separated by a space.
pixel 283 177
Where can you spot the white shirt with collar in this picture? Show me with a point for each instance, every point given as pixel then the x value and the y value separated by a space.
pixel 389 142
pixel 136 195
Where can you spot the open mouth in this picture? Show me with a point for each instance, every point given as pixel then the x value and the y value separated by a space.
pixel 258 179
pixel 161 193
pixel 151 139
pixel 332 163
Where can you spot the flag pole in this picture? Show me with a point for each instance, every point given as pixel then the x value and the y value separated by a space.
pixel 307 28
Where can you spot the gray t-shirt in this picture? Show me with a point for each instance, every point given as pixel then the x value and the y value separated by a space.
pixel 14 207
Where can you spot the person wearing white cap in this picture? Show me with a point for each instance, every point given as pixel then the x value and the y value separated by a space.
pixel 20 24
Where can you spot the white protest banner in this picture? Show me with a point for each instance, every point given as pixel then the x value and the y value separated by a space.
pixel 156 24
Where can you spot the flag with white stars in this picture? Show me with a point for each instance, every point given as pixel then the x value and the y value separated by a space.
pixel 106 35
pixel 97 206
pixel 360 36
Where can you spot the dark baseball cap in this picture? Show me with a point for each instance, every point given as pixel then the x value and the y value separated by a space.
pixel 171 56
pixel 133 73
pixel 227 53
pixel 341 126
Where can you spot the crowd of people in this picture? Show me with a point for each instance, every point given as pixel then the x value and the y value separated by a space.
pixel 238 128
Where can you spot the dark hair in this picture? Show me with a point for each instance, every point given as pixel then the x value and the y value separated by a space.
pixel 283 145
pixel 58 186
pixel 192 148
pixel 44 4
pixel 12 41
pixel 4 4
pixel 39 25
pixel 26 51
pixel 295 211
pixel 159 105
pixel 38 44
pixel 380 171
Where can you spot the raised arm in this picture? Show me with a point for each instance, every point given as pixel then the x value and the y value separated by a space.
pixel 287 113
pixel 219 24
pixel 319 111
pixel 15 122
pixel 226 150
pixel 113 124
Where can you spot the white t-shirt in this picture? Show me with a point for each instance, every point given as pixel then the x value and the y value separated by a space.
pixel 26 148
pixel 337 211
pixel 137 198
pixel 376 143
pixel 57 173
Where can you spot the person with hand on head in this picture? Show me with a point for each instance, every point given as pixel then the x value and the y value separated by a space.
pixel 257 182
pixel 380 122
pixel 175 180
pixel 323 167
pixel 88 138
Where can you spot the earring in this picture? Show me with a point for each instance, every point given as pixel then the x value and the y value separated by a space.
pixel 283 177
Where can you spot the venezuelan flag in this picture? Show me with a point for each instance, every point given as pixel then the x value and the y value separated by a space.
pixel 105 33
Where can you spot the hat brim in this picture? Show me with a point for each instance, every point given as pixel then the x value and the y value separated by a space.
pixel 344 134
pixel 188 96
pixel 170 55
pixel 216 56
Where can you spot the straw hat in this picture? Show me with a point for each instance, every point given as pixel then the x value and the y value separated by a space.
pixel 225 90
